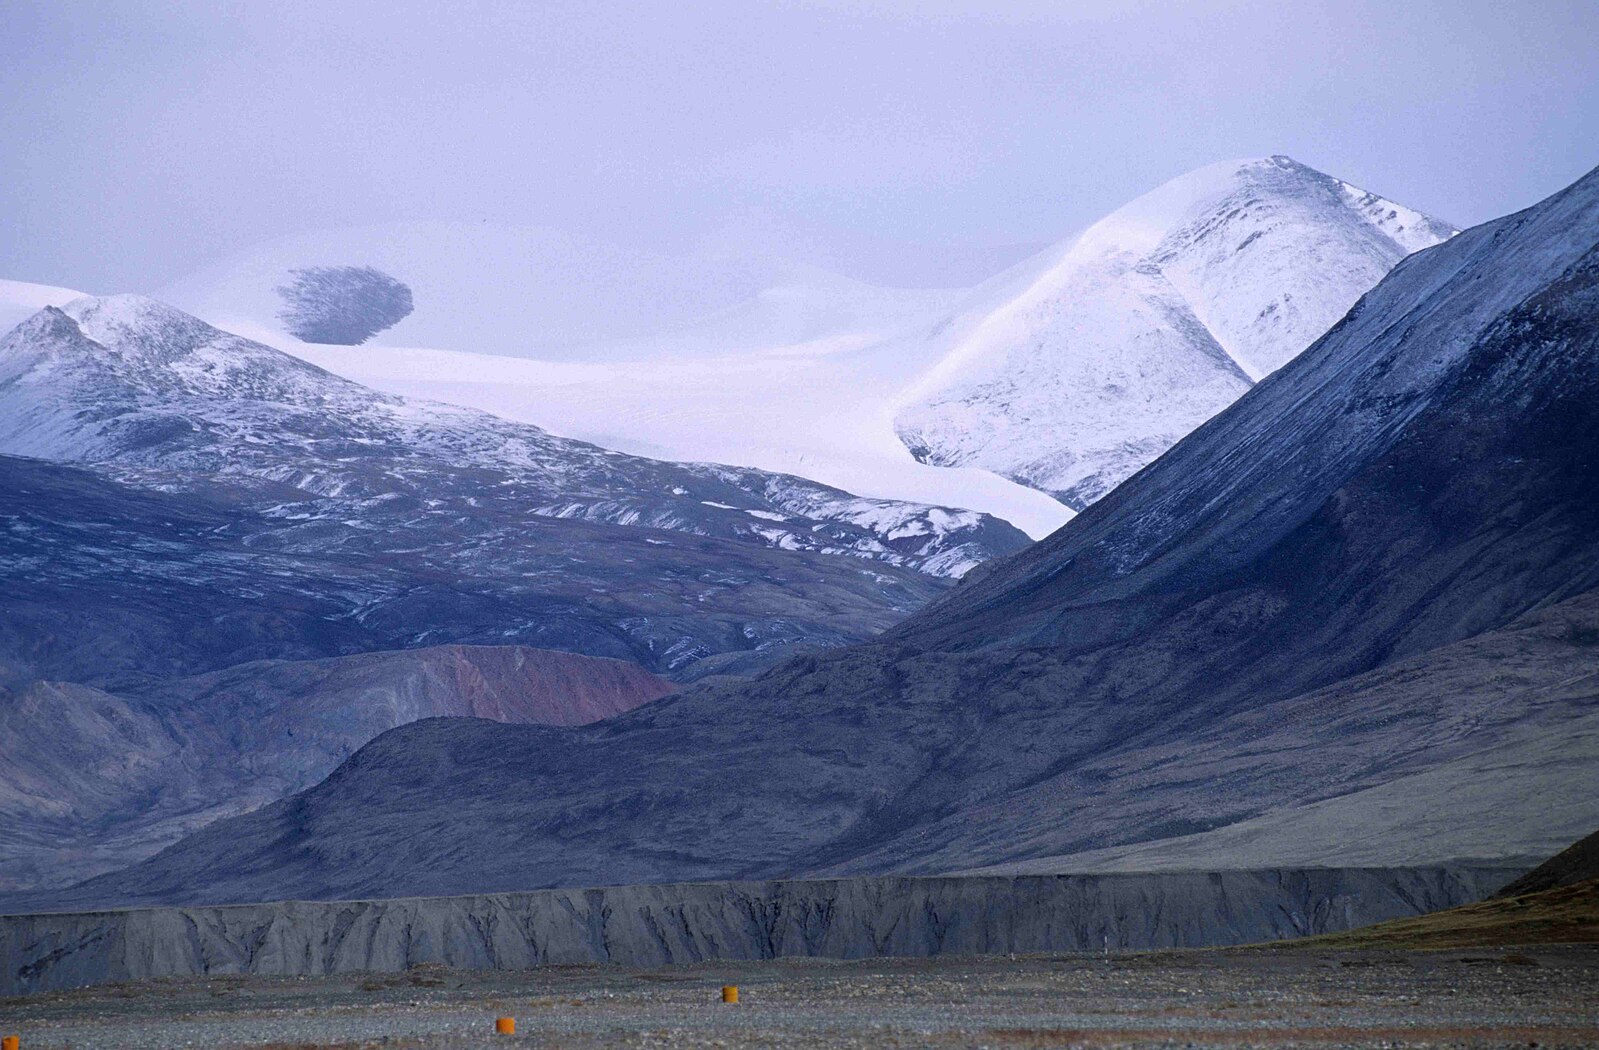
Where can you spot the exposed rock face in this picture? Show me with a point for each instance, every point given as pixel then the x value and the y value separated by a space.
pixel 342 305
pixel 655 925
pixel 95 780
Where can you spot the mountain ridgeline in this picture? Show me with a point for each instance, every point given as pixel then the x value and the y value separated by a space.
pixel 397 523
pixel 1372 574
pixel 96 780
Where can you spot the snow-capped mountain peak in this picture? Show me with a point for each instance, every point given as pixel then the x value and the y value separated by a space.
pixel 1278 251
pixel 1152 320
pixel 1057 378
pixel 137 344
pixel 123 322
pixel 134 384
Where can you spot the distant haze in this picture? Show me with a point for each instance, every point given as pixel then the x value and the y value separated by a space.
pixel 906 143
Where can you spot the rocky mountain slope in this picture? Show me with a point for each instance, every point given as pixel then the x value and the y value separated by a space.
pixel 444 524
pixel 184 582
pixel 176 501
pixel 95 780
pixel 128 381
pixel 1183 656
pixel 1153 320
pixel 1577 863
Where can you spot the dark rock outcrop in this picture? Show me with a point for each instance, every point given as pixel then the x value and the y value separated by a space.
pixel 1578 862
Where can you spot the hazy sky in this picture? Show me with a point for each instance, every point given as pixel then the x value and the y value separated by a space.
pixel 916 142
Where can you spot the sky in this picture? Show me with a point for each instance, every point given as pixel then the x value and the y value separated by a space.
pixel 923 143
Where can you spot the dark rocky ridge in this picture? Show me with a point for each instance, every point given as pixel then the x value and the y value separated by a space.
pixel 655 925
pixel 96 780
pixel 1178 659
pixel 1578 862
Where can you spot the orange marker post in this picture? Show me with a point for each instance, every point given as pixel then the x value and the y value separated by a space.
pixel 11 1042
pixel 505 1025
pixel 729 993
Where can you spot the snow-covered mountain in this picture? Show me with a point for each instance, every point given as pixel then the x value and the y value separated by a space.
pixel 218 501
pixel 130 381
pixel 1154 319
pixel 1062 375
pixel 721 355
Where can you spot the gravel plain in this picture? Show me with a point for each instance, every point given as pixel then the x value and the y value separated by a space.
pixel 1540 996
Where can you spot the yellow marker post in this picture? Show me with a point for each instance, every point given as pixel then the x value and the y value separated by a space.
pixel 505 1025
pixel 729 993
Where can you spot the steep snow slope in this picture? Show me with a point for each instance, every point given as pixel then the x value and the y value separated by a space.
pixel 1154 319
pixel 1382 561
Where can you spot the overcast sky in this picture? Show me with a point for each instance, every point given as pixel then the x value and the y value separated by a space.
pixel 918 142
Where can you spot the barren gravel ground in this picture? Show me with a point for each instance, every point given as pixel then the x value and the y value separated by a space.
pixel 1500 997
